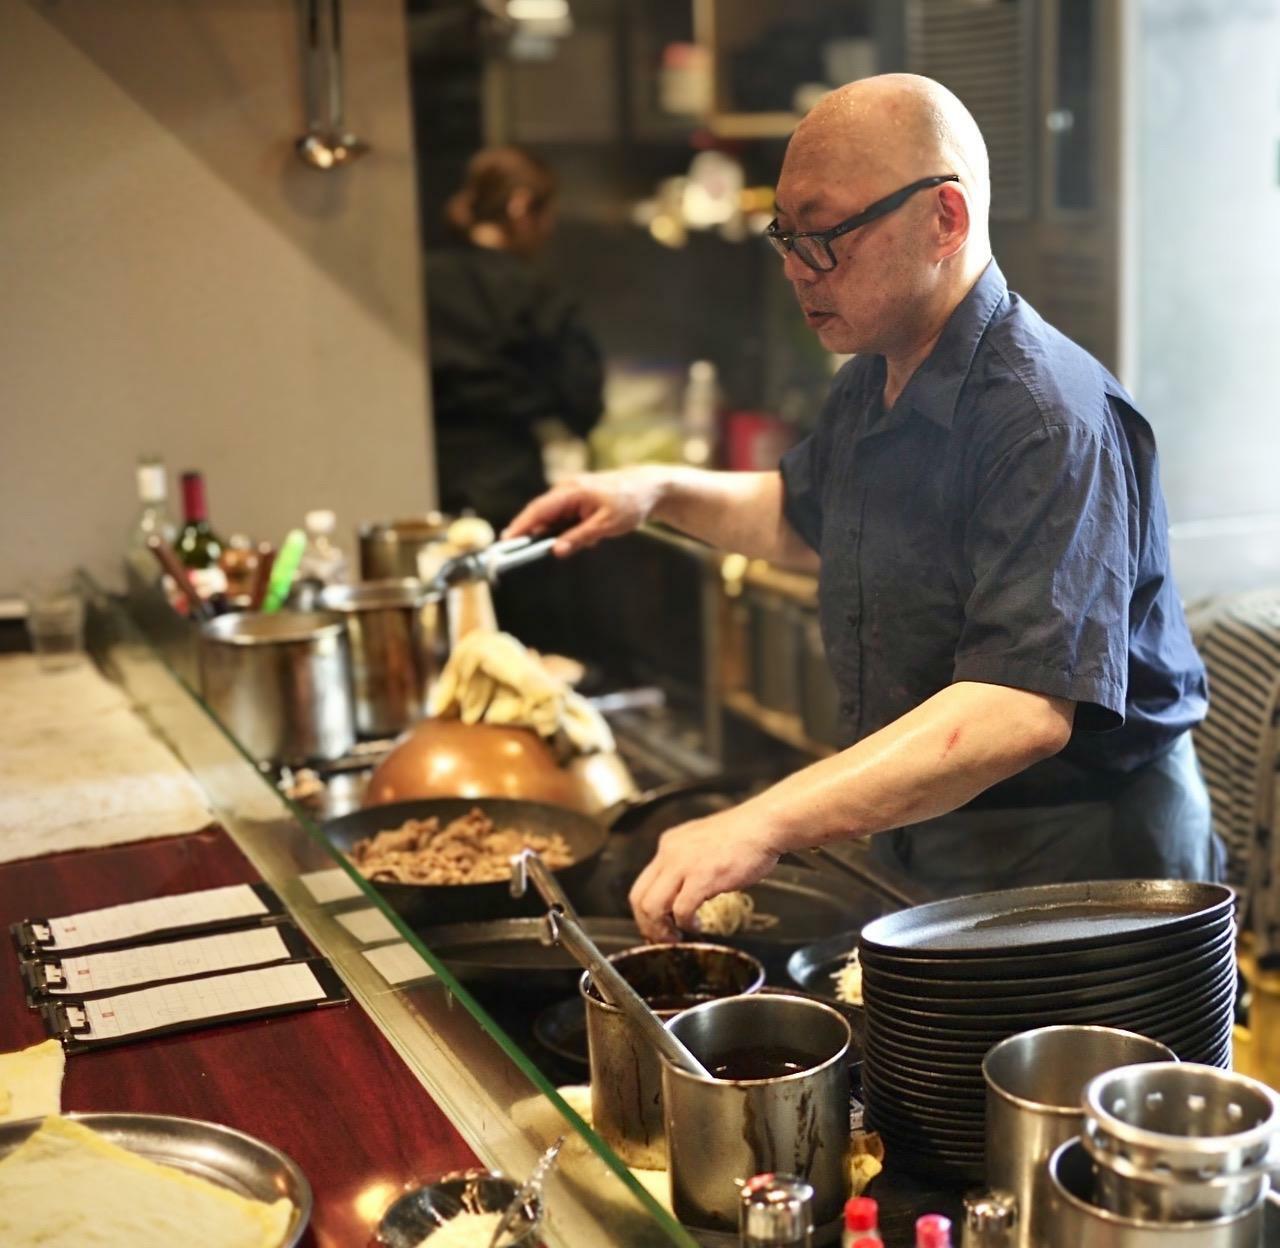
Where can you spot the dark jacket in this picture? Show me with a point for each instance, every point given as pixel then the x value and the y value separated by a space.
pixel 507 351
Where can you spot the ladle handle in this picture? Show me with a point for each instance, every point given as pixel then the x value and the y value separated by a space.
pixel 528 865
pixel 617 992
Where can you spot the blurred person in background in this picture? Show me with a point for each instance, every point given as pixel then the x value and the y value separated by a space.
pixel 511 363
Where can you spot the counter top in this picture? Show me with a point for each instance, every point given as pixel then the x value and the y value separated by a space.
pixel 325 1086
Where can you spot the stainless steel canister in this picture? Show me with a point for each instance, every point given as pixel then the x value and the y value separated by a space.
pixel 1174 1141
pixel 1075 1220
pixel 722 1131
pixel 1035 1081
pixel 397 647
pixel 626 1075
pixel 280 683
pixel 390 550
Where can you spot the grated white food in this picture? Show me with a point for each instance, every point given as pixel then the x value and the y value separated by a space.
pixel 849 980
pixel 467 1230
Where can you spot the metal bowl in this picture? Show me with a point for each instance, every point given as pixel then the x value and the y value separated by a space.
pixel 419 1213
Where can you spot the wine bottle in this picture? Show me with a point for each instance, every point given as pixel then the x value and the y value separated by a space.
pixel 199 547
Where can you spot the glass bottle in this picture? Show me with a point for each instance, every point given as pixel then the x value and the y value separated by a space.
pixel 199 547
pixel 153 519
pixel 861 1222
pixel 933 1231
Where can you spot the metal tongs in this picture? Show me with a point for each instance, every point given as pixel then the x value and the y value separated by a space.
pixel 561 926
pixel 494 561
pixel 529 1190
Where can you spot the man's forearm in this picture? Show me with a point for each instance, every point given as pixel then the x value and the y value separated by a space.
pixel 930 761
pixel 738 511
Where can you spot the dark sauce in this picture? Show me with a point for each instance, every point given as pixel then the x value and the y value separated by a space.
pixel 677 1000
pixel 761 1061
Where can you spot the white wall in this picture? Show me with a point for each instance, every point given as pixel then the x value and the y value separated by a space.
pixel 173 279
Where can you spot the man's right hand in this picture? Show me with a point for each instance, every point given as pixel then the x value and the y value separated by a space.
pixel 595 505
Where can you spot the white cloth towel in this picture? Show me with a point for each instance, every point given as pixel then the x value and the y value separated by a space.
pixel 79 769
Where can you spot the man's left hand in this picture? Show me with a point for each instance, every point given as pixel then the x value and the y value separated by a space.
pixel 695 861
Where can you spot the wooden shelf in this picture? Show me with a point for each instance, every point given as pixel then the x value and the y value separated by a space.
pixel 753 125
pixel 787 728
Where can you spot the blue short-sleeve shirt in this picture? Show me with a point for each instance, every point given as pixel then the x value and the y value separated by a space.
pixel 1003 522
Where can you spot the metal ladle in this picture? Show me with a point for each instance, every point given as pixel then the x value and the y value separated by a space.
pixel 529 1190
pixel 327 143
pixel 561 926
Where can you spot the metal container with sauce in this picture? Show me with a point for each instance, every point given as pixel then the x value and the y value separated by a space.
pixel 389 550
pixel 280 683
pixel 397 648
pixel 779 1102
pixel 626 1075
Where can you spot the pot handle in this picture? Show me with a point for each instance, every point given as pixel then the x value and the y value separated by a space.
pixel 652 799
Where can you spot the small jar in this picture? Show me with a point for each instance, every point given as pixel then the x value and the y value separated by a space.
pixel 775 1211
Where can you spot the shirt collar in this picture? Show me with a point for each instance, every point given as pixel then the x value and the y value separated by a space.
pixel 934 388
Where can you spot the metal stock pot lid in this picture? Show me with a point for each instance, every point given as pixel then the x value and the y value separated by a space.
pixel 254 628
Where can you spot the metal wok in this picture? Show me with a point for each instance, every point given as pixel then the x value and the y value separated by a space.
pixel 430 905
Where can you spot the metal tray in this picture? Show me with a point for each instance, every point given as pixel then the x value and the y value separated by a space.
pixel 222 1155
pixel 1134 955
pixel 1049 918
pixel 816 961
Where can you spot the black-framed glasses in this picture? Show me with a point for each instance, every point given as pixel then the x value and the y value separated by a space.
pixel 814 246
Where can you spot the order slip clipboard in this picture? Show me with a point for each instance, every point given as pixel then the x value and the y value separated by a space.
pixel 185 1005
pixel 206 910
pixel 70 975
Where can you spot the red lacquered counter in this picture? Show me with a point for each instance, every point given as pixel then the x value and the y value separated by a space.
pixel 324 1085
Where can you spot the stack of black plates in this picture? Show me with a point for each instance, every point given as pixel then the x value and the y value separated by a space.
pixel 945 981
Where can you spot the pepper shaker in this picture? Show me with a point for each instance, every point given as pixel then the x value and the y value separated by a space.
pixel 775 1211
pixel 989 1220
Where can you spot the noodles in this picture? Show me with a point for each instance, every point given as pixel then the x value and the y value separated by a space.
pixel 468 850
pixel 727 913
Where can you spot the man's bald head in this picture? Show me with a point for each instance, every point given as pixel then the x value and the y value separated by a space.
pixel 889 130
pixel 892 282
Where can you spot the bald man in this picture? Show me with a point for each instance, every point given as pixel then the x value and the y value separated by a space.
pixel 981 501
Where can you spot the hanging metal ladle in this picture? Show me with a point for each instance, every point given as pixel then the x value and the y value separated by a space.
pixel 561 927
pixel 327 143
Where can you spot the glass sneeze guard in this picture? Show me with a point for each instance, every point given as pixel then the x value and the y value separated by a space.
pixel 499 1100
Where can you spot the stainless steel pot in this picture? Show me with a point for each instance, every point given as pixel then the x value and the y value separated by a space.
pixel 1075 1219
pixel 398 643
pixel 280 683
pixel 1034 1085
pixel 626 1075
pixel 390 550
pixel 722 1131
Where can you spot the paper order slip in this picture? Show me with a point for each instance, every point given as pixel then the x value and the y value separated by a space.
pixel 151 964
pixel 138 918
pixel 196 999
